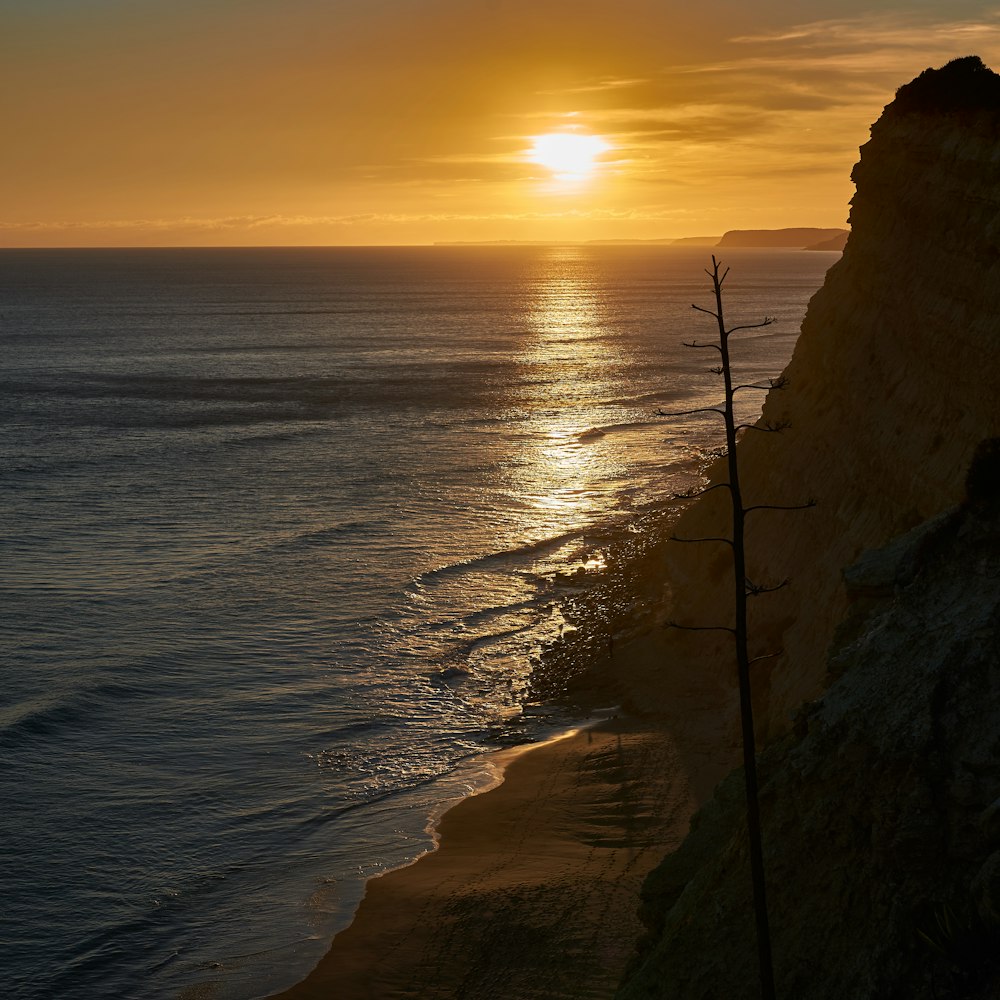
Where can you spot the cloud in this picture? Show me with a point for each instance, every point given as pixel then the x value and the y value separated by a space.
pixel 187 224
pixel 794 101
pixel 598 86
pixel 184 223
pixel 870 52
pixel 881 30
pixel 812 66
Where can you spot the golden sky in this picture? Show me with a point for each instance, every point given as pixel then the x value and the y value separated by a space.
pixel 300 122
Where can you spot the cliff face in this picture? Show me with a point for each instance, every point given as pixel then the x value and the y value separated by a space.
pixel 881 810
pixel 881 803
pixel 893 382
pixel 800 238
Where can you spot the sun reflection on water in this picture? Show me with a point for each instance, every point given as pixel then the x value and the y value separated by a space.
pixel 569 359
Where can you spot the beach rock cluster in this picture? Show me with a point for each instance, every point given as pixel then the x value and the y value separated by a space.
pixel 893 383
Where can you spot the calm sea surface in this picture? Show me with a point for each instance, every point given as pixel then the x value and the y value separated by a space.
pixel 281 531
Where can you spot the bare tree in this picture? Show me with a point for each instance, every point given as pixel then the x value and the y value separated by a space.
pixel 743 588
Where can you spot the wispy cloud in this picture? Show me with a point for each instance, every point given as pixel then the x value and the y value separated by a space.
pixel 863 53
pixel 187 224
pixel 236 222
pixel 881 30
pixel 814 65
pixel 801 96
pixel 598 86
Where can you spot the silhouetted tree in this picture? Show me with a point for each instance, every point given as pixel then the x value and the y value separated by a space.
pixel 744 588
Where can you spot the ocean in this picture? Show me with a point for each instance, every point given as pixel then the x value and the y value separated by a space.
pixel 283 532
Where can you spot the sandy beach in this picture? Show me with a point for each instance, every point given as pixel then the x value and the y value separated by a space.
pixel 533 890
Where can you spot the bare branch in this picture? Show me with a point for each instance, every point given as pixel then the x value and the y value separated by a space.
pixel 709 538
pixel 702 309
pixel 687 413
pixel 766 321
pixel 694 494
pixel 699 628
pixel 714 274
pixel 718 370
pixel 715 347
pixel 767 427
pixel 776 506
pixel 762 388
pixel 754 589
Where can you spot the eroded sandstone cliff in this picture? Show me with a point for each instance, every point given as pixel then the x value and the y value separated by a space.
pixel 894 381
pixel 881 804
pixel 881 808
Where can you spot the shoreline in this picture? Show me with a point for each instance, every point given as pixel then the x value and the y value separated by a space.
pixel 533 888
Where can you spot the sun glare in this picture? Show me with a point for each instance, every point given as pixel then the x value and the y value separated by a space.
pixel 568 155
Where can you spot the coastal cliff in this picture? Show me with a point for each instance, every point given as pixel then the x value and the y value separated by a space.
pixel 880 803
pixel 800 238
pixel 880 791
pixel 892 385
pixel 881 808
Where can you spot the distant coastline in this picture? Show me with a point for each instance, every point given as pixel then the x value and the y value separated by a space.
pixel 801 238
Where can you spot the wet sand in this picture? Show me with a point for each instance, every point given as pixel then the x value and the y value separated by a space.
pixel 533 891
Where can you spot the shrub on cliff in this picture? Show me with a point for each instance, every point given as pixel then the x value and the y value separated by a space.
pixel 962 85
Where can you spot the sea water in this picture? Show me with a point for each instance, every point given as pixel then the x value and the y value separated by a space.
pixel 282 532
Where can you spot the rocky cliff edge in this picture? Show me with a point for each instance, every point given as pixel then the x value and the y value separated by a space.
pixel 881 784
pixel 893 382
pixel 881 808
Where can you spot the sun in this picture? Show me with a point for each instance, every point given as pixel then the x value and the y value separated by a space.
pixel 569 155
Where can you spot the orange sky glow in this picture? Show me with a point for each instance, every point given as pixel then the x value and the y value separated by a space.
pixel 317 122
